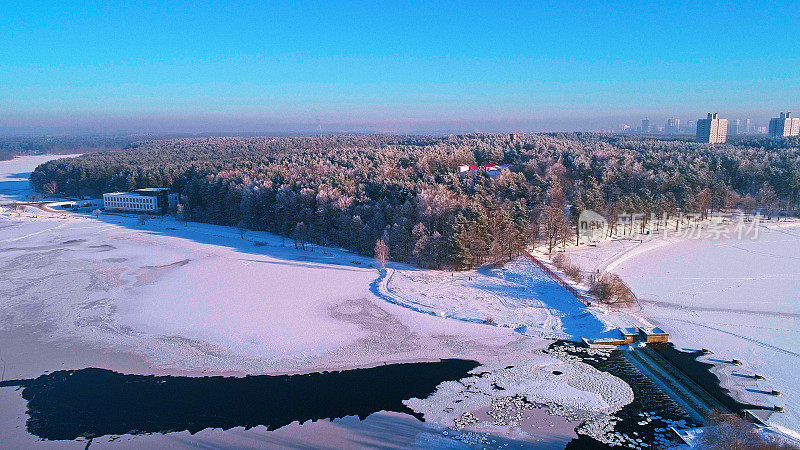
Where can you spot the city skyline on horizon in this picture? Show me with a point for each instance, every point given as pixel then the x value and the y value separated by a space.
pixel 155 124
pixel 187 67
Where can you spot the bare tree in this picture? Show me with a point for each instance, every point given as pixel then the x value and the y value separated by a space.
pixel 241 228
pixel 767 200
pixel 556 227
pixel 300 234
pixel 609 288
pixel 51 188
pixel 142 219
pixel 702 203
pixel 180 214
pixel 562 262
pixel 96 213
pixel 731 432
pixel 381 252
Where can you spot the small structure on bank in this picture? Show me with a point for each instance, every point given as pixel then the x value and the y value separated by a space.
pixel 653 335
pixel 629 336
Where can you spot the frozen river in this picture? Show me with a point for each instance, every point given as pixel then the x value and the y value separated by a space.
pixel 166 298
pixel 739 298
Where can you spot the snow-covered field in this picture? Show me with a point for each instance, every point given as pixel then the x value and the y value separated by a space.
pixel 739 298
pixel 162 297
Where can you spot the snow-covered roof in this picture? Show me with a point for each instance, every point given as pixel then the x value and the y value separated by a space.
pixel 652 331
pixel 140 192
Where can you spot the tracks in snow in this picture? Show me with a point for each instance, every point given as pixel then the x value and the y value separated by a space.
pixel 755 341
pixel 670 305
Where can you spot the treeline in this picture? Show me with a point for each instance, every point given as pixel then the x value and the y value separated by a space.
pixel 11 146
pixel 350 191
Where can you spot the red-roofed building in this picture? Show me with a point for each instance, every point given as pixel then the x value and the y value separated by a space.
pixel 473 168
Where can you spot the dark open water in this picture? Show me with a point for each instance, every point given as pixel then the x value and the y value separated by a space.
pixel 649 398
pixel 89 403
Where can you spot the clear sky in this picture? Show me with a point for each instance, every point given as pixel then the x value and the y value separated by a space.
pixel 390 66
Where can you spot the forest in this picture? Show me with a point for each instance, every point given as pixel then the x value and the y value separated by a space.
pixel 11 146
pixel 406 192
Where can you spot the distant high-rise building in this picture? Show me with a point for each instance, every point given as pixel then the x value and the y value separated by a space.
pixel 735 127
pixel 761 129
pixel 748 126
pixel 712 129
pixel 784 125
pixel 645 125
pixel 673 126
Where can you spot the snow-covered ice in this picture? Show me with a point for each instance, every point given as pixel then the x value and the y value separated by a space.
pixel 740 298
pixel 195 298
pixel 567 387
pixel 14 176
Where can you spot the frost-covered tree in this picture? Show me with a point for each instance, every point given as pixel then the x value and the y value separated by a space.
pixel 381 252
pixel 350 190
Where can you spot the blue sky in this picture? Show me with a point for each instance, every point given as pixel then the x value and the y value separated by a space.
pixel 389 66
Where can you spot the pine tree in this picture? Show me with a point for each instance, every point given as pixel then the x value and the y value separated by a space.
pixel 461 248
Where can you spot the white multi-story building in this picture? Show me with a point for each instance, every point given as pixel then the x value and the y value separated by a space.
pixel 712 129
pixel 150 200
pixel 785 125
pixel 673 126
